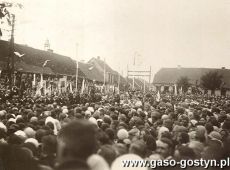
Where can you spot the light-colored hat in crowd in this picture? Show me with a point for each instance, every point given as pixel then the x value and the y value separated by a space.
pixel 122 134
pixel 33 141
pixel 118 163
pixel 30 133
pixel 97 162
pixel 93 120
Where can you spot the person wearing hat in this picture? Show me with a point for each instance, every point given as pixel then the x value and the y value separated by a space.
pixel 197 147
pixel 214 148
pixel 200 133
pixel 108 153
pixel 139 148
pixel 48 151
pixel 76 142
pixel 122 134
pixel 15 157
pixel 165 148
pixel 161 131
pixel 97 162
pixel 3 133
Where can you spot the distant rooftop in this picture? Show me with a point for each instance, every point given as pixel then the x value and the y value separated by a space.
pixel 171 75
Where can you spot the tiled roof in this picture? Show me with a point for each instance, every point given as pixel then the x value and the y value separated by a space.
pixel 59 64
pixel 171 75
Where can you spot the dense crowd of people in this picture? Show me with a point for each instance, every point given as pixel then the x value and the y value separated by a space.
pixel 97 132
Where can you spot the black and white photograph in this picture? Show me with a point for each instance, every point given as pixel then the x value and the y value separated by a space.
pixel 114 84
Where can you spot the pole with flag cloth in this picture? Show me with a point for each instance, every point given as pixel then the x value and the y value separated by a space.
pixel 83 86
pixel 104 76
pixel 181 90
pixel 76 67
pixel 70 87
pixel 39 87
pixel 175 92
pixel 158 97
pixel 119 79
pixel 134 63
pixel 76 76
pixel 144 86
pixel 34 80
pixel 44 87
pixel 133 82
pixel 41 83
pixel 38 91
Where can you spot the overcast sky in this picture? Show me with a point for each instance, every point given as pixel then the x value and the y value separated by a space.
pixel 163 33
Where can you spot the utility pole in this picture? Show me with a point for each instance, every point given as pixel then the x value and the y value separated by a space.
pixel 76 67
pixel 11 56
pixel 150 75
pixel 119 79
pixel 104 72
pixel 144 86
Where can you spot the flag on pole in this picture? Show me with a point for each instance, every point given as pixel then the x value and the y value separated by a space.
pixel 114 89
pixel 44 87
pixel 158 96
pixel 181 90
pixel 175 92
pixel 76 75
pixel 162 88
pixel 70 87
pixel 77 67
pixel 34 80
pixel 118 84
pixel 63 84
pixel 38 91
pixel 104 71
pixel 83 86
pixel 59 86
pixel 133 82
pixel 49 90
pixel 41 82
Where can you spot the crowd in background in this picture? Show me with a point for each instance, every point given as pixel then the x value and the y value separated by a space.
pixel 97 131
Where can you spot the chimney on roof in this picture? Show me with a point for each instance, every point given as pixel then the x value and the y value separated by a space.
pixel 98 57
pixel 223 68
pixel 47 45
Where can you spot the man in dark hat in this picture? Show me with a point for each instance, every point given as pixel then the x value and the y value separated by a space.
pixel 76 142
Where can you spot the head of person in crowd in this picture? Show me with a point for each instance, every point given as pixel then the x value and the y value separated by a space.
pixel 214 148
pixel 139 148
pixel 108 152
pixel 177 127
pixel 76 142
pixel 184 153
pixel 165 148
pixel 197 147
